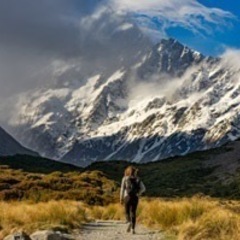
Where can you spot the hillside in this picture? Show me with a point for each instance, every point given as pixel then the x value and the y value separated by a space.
pixel 41 184
pixel 33 164
pixel 9 146
pixel 214 172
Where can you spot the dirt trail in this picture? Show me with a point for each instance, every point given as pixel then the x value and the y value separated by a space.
pixel 116 230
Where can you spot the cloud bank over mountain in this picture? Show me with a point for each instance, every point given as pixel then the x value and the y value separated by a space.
pixel 159 15
pixel 35 34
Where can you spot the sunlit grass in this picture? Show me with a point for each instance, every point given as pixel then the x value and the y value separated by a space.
pixel 194 218
pixel 197 218
pixel 30 217
pixel 110 212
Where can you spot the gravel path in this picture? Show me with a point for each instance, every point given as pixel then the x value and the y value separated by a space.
pixel 116 230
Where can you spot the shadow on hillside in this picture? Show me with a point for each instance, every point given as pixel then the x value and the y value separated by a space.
pixel 36 164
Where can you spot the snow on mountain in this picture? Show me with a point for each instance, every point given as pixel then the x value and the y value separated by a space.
pixel 9 146
pixel 172 101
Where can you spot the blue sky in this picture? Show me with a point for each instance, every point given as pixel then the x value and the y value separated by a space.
pixel 222 34
pixel 215 43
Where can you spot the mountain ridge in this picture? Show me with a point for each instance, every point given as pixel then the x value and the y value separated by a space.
pixel 171 102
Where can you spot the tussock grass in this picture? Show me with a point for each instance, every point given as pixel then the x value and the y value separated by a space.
pixel 93 188
pixel 217 224
pixel 197 218
pixel 111 212
pixel 64 215
pixel 170 214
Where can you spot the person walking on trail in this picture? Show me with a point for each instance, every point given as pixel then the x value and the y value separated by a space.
pixel 131 188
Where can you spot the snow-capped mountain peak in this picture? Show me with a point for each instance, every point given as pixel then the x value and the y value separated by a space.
pixel 171 101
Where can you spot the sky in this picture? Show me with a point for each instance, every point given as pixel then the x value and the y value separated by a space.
pixel 209 26
pixel 230 36
pixel 34 35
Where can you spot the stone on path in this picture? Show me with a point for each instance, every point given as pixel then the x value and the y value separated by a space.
pixel 50 235
pixel 18 236
pixel 40 235
pixel 99 230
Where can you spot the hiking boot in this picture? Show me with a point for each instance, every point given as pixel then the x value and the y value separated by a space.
pixel 133 231
pixel 129 227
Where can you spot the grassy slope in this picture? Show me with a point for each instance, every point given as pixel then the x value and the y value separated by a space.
pixel 37 179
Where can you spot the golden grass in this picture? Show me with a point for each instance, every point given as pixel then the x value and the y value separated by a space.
pixel 170 214
pixel 30 217
pixel 215 224
pixel 195 218
pixel 111 212
pixel 91 187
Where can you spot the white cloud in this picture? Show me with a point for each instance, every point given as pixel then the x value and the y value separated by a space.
pixel 94 39
pixel 231 59
pixel 157 86
pixel 189 14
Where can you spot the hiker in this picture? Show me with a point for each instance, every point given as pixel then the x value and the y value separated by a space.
pixel 131 188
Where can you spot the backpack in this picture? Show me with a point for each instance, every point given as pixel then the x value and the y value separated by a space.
pixel 132 186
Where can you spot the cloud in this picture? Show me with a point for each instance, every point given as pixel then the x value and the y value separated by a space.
pixel 44 26
pixel 160 15
pixel 94 34
pixel 157 86
pixel 34 34
pixel 230 59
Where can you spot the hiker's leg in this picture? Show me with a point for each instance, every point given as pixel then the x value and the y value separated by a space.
pixel 127 208
pixel 134 204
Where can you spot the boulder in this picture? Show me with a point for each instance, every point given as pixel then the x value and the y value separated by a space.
pixel 50 235
pixel 18 236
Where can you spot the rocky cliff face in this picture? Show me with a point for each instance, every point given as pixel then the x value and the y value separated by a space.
pixel 172 101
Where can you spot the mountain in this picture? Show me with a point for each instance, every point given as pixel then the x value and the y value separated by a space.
pixel 9 146
pixel 169 102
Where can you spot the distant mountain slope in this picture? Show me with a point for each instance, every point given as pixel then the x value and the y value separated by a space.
pixel 9 146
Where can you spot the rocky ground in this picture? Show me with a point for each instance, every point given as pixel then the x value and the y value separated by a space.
pixel 116 230
pixel 98 230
